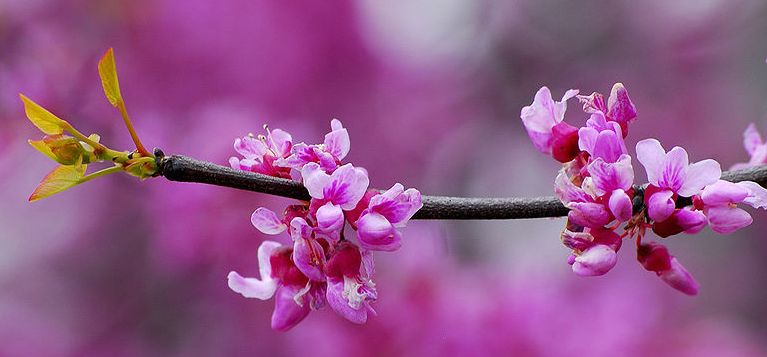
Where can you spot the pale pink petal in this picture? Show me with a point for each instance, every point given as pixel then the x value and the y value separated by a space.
pixel 330 217
pixel 660 206
pixel 620 205
pixel 281 142
pixel 673 174
pixel 588 214
pixel 751 139
pixel 340 304
pixel 346 186
pixel 595 261
pixel 252 287
pixel 250 147
pixel 267 221
pixel 611 176
pixel 759 157
pixel 726 219
pixel 541 116
pixel 566 191
pixel 309 258
pixel 699 175
pixel 679 278
pixel 287 312
pixel 619 105
pixel 375 232
pixel 757 195
pixel 337 141
pixel 722 193
pixel 315 180
pixel 652 156
pixel 690 221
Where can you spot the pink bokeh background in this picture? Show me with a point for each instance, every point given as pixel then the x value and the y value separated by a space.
pixel 430 92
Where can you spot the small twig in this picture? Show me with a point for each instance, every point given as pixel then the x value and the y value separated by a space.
pixel 185 169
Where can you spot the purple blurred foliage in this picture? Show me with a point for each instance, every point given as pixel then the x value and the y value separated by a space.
pixel 430 92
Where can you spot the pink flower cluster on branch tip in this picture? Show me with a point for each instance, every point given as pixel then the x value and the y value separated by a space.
pixel 596 183
pixel 322 265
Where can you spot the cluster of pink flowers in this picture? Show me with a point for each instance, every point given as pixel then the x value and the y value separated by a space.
pixel 322 265
pixel 596 183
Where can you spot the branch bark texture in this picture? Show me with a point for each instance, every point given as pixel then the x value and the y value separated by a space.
pixel 185 169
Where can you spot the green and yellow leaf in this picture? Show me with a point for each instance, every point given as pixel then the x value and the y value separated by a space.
pixel 43 119
pixel 43 148
pixel 108 74
pixel 58 180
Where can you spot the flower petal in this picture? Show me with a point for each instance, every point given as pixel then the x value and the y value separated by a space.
pixel 281 142
pixel 620 205
pixel 287 312
pixel 722 193
pixel 337 141
pixel 751 139
pixel 673 174
pixel 726 219
pixel 652 156
pixel 252 287
pixel 699 175
pixel 660 205
pixel 595 261
pixel 375 232
pixel 267 221
pixel 690 221
pixel 340 303
pixel 315 179
pixel 757 195
pixel 588 214
pixel 619 105
pixel 346 186
pixel 679 278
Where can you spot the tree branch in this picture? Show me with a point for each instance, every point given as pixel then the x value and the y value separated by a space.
pixel 185 169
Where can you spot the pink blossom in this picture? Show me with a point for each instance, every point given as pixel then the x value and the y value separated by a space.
pixel 585 210
pixel 349 288
pixel 308 254
pixel 671 174
pixel 755 147
pixel 543 120
pixel 328 155
pixel 377 225
pixel 619 107
pixel 656 258
pixel 602 138
pixel 594 250
pixel 719 203
pixel 260 153
pixel 294 295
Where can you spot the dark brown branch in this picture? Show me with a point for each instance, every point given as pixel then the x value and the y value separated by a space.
pixel 185 169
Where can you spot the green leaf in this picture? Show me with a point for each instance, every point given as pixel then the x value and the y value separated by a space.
pixel 108 74
pixel 43 119
pixel 58 180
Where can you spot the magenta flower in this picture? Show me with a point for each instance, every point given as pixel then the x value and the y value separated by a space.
pixel 328 155
pixel 616 180
pixel 280 278
pixel 618 108
pixel 344 187
pixel 685 220
pixel 656 258
pixel 601 138
pixel 585 210
pixel 267 221
pixel 719 203
pixel 259 154
pixel 755 147
pixel 543 120
pixel 377 225
pixel 350 290
pixel 594 250
pixel 671 174
pixel 308 254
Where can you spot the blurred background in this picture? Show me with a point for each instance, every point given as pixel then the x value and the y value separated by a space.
pixel 430 92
